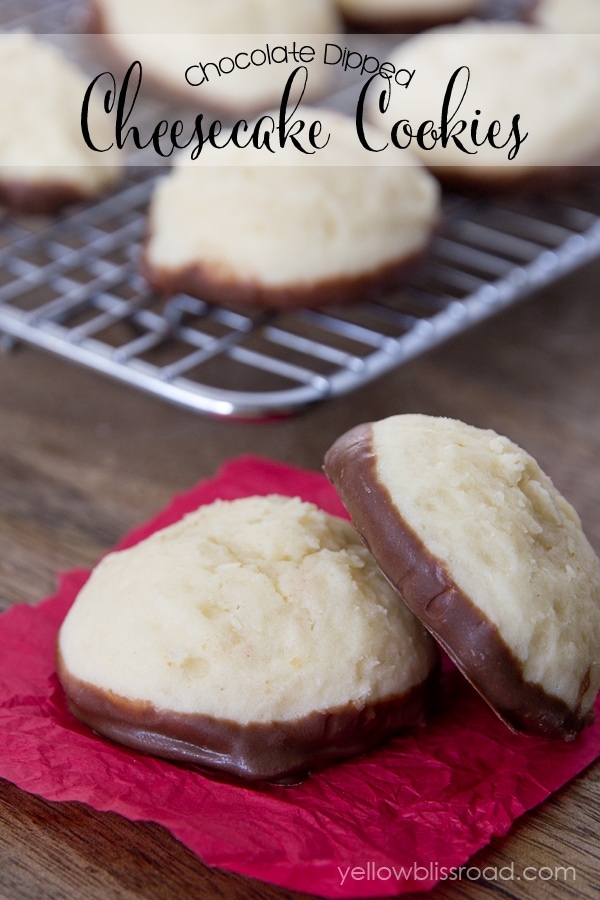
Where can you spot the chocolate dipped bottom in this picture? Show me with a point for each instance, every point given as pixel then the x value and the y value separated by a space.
pixel 424 582
pixel 209 284
pixel 402 22
pixel 257 751
pixel 42 199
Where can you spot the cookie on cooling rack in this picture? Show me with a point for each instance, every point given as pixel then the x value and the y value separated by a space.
pixel 291 231
pixel 520 104
pixel 256 636
pixel 405 16
pixel 44 161
pixel 232 50
pixel 488 554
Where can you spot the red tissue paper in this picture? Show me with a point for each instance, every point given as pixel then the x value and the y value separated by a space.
pixel 397 819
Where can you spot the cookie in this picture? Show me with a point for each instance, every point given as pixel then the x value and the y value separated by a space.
pixel 255 636
pixel 289 233
pixel 568 16
pixel 233 56
pixel 44 161
pixel 519 104
pixel 488 554
pixel 405 16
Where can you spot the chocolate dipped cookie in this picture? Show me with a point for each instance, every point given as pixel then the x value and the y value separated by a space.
pixel 233 56
pixel 45 164
pixel 335 226
pixel 256 637
pixel 487 553
pixel 495 106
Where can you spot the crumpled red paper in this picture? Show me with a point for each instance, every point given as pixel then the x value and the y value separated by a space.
pixel 397 819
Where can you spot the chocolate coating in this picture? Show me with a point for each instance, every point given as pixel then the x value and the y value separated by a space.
pixel 487 181
pixel 401 24
pixel 257 751
pixel 200 281
pixel 45 198
pixel 471 640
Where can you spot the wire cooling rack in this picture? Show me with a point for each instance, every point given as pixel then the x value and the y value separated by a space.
pixel 71 286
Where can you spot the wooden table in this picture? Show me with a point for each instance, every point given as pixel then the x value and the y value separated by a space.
pixel 83 459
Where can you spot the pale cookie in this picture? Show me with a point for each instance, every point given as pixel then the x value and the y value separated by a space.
pixel 494 105
pixel 45 163
pixel 238 54
pixel 489 555
pixel 255 636
pixel 568 16
pixel 296 231
pixel 580 17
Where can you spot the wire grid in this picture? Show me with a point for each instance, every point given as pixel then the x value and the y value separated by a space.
pixel 71 286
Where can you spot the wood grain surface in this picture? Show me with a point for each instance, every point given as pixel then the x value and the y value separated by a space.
pixel 82 459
